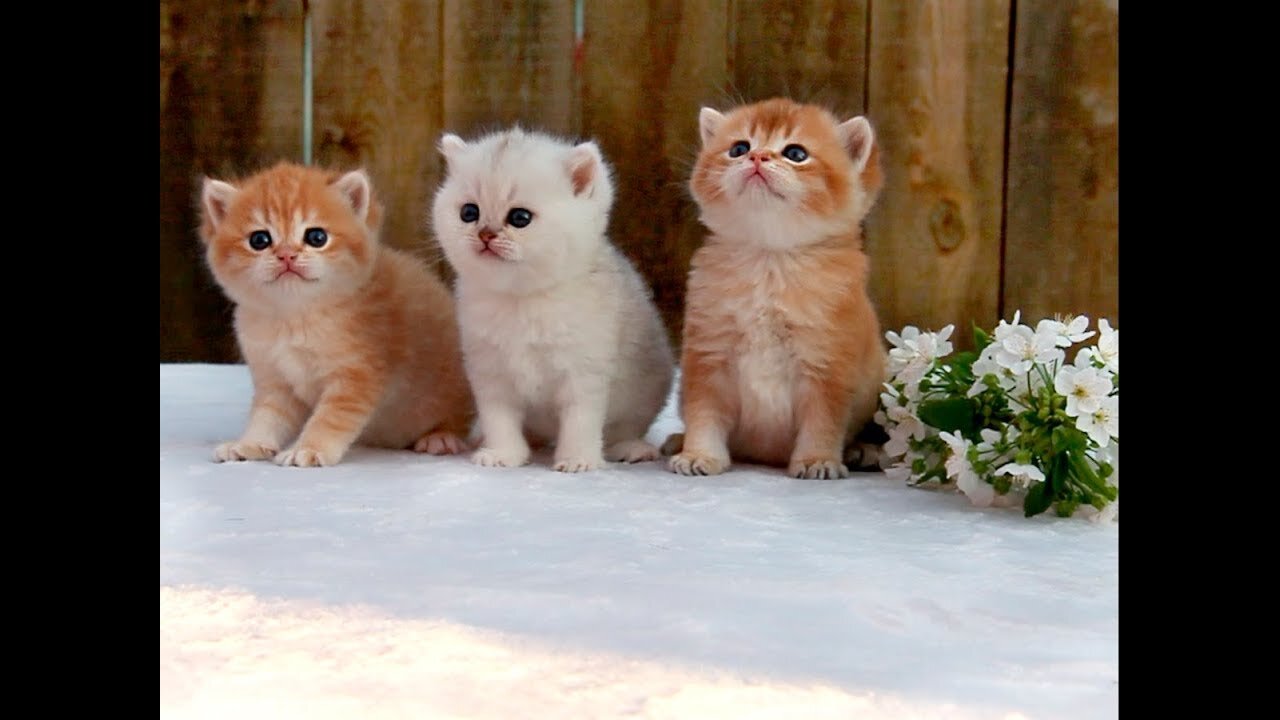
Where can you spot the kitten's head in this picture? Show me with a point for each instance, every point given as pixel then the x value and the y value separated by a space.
pixel 519 211
pixel 782 173
pixel 290 234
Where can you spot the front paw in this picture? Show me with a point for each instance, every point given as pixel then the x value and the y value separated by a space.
pixel 307 456
pixel 817 468
pixel 242 450
pixel 690 463
pixel 440 443
pixel 493 457
pixel 578 463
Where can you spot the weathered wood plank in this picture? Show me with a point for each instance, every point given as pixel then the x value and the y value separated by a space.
pixel 809 50
pixel 230 102
pixel 937 86
pixel 508 61
pixel 648 68
pixel 379 105
pixel 1062 232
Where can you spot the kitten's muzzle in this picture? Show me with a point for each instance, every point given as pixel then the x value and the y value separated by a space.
pixel 486 235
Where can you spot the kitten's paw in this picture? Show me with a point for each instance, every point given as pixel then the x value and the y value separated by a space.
pixel 490 457
pixel 817 468
pixel 307 457
pixel 687 463
pixel 863 455
pixel 631 451
pixel 440 443
pixel 578 464
pixel 239 450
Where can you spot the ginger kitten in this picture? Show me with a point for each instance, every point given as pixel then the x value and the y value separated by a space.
pixel 346 340
pixel 561 339
pixel 782 355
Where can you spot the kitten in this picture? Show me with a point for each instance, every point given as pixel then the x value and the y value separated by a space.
pixel 346 340
pixel 782 357
pixel 560 335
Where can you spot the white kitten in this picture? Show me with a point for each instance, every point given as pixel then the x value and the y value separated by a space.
pixel 560 337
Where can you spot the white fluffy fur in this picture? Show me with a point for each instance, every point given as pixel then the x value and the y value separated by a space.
pixel 560 336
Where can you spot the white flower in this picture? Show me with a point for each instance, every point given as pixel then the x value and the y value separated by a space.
pixel 1108 346
pixel 986 365
pixel 959 469
pixel 1021 475
pixel 1104 423
pixel 905 426
pixel 1084 389
pixel 914 351
pixel 1065 334
pixel 1022 347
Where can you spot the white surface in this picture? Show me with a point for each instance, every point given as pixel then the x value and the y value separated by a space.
pixel 399 585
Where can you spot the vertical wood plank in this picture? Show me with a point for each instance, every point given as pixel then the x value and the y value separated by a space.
pixel 1062 233
pixel 937 83
pixel 378 105
pixel 648 68
pixel 508 61
pixel 809 50
pixel 230 102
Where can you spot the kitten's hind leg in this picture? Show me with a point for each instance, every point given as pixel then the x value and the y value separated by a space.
pixel 672 445
pixel 631 451
pixel 624 441
pixel 441 442
pixel 866 448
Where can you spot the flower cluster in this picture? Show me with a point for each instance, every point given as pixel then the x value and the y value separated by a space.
pixel 1010 420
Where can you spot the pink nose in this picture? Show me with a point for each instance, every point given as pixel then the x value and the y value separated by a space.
pixel 287 256
pixel 760 156
pixel 487 235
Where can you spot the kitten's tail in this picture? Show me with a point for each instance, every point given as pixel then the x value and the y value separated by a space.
pixel 673 444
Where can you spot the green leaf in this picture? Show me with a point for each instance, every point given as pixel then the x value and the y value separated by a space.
pixel 1037 501
pixel 954 414
pixel 980 338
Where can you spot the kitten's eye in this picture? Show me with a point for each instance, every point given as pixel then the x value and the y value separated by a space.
pixel 739 148
pixel 795 153
pixel 315 237
pixel 470 213
pixel 259 239
pixel 519 217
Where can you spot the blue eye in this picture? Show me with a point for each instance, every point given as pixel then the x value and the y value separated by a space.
pixel 470 213
pixel 795 153
pixel 739 148
pixel 259 240
pixel 315 237
pixel 519 217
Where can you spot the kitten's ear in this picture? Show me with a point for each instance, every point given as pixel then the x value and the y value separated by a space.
pixel 585 165
pixel 215 198
pixel 858 139
pixel 451 145
pixel 357 191
pixel 709 121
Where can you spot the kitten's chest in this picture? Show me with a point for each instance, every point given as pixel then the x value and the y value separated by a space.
pixel 531 341
pixel 297 358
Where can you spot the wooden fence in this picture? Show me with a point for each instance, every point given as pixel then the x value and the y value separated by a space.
pixel 998 121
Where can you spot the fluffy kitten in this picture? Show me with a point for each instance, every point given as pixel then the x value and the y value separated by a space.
pixel 560 336
pixel 346 340
pixel 782 357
